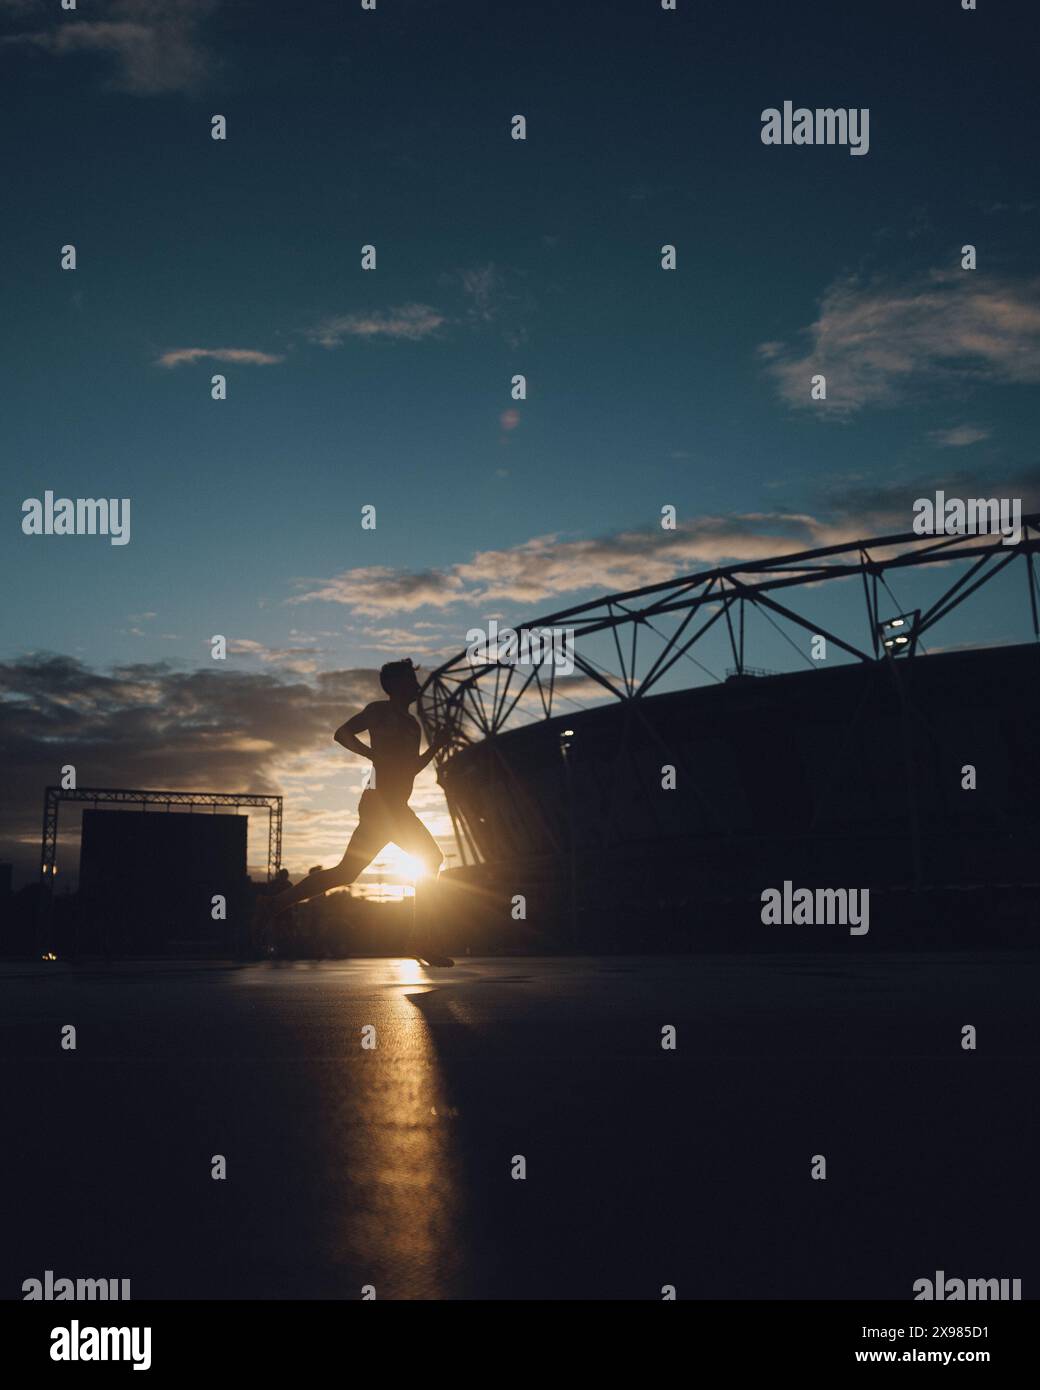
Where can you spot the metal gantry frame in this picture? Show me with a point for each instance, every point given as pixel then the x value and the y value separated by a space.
pixel 54 796
pixel 465 702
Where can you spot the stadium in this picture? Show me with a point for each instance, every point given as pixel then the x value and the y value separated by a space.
pixel 619 805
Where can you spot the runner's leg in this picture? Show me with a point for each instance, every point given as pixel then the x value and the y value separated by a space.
pixel 412 836
pixel 368 839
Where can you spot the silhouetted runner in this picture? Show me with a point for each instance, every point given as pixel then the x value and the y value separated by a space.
pixel 384 814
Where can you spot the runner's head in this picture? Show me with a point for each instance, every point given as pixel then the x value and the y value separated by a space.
pixel 398 680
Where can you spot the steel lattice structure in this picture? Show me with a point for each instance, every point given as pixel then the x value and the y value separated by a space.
pixel 465 703
pixel 54 796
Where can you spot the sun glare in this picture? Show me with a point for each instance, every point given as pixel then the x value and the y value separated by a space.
pixel 394 861
pixel 392 876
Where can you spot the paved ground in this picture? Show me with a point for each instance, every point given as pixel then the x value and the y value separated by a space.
pixel 645 1167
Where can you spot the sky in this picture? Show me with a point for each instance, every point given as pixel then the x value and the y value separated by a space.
pixel 391 387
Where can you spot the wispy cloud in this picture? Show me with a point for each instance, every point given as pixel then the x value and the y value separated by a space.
pixel 549 566
pixel 301 661
pixel 959 436
pixel 1021 206
pixel 409 321
pixel 872 508
pixel 486 299
pixel 404 640
pixel 482 286
pixel 156 46
pixel 177 357
pixel 495 297
pixel 552 568
pixel 378 589
pixel 877 341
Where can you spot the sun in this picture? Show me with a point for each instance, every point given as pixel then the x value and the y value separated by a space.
pixel 393 863
pixel 394 860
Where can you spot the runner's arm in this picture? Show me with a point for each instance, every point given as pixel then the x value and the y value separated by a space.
pixel 345 735
pixel 441 741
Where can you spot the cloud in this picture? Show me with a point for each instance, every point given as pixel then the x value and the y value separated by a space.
pixel 301 661
pixel 553 568
pixel 177 357
pixel 548 566
pixel 959 436
pixel 482 286
pixel 409 321
pixel 887 507
pixel 495 296
pixel 997 207
pixel 404 641
pixel 378 589
pixel 486 299
pixel 155 45
pixel 875 342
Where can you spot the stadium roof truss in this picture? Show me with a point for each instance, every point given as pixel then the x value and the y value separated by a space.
pixel 467 701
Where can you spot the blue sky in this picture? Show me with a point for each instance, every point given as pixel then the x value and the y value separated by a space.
pixel 495 256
